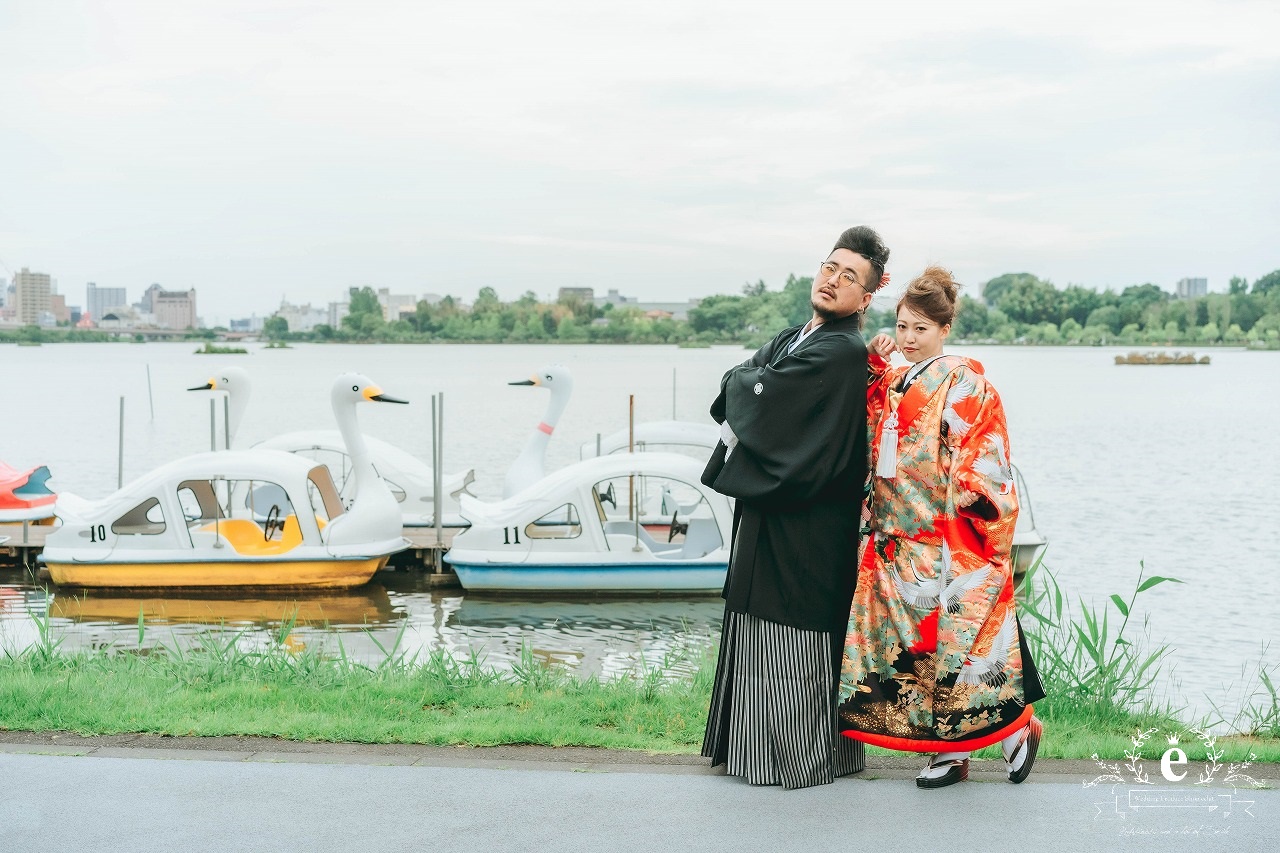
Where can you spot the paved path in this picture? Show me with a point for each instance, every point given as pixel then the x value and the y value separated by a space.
pixel 66 793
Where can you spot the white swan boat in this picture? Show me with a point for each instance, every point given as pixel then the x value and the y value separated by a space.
pixel 256 518
pixel 25 494
pixel 412 481
pixel 619 523
pixel 691 439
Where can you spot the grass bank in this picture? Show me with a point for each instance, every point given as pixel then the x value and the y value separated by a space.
pixel 1097 677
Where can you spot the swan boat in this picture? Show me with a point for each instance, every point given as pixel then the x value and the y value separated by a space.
pixel 25 495
pixel 412 482
pixel 618 523
pixel 699 440
pixel 243 518
pixel 691 439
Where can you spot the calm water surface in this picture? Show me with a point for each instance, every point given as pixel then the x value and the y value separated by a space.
pixel 1167 465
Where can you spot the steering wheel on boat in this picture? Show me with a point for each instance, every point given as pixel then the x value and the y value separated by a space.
pixel 676 527
pixel 608 496
pixel 273 522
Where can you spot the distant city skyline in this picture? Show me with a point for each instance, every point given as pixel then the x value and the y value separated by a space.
pixel 259 150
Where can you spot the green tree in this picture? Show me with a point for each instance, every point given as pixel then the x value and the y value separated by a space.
pixel 1001 284
pixel 1107 316
pixel 1030 300
pixel 1268 283
pixel 275 328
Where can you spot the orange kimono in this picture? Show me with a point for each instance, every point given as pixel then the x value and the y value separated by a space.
pixel 934 658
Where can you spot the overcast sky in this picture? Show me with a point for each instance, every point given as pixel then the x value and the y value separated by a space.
pixel 262 149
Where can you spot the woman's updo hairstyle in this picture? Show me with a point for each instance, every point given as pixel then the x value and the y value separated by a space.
pixel 931 294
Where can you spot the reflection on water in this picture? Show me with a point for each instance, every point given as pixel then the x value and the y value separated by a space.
pixel 370 605
pixel 397 614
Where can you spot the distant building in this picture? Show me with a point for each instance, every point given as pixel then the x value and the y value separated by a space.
pixel 1190 288
pixel 147 304
pixel 653 310
pixel 33 292
pixel 302 318
pixel 252 324
pixel 98 301
pixel 338 310
pixel 58 308
pixel 396 305
pixel 173 309
pixel 582 294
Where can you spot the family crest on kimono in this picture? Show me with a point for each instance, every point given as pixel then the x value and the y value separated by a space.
pixel 934 658
pixel 794 454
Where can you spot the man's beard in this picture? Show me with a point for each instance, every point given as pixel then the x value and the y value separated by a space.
pixel 826 314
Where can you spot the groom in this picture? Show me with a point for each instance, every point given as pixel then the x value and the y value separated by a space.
pixel 793 424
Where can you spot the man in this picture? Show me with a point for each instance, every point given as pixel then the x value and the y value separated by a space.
pixel 793 419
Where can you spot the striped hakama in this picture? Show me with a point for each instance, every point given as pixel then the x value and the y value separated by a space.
pixel 773 708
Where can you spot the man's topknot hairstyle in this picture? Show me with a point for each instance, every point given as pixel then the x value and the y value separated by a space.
pixel 864 241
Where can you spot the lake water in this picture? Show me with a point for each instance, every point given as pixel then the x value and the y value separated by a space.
pixel 1168 465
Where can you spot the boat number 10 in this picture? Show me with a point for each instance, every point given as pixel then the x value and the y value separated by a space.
pixel 509 533
pixel 97 533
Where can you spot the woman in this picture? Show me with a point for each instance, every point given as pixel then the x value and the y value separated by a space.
pixel 934 658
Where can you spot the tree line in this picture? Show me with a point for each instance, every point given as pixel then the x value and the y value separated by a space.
pixel 1011 308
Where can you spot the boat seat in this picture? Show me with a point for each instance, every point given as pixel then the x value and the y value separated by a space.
pixel 701 539
pixel 628 528
pixel 245 536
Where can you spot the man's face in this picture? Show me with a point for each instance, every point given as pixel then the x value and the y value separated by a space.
pixel 842 286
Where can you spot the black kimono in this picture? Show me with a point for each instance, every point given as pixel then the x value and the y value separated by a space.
pixel 798 472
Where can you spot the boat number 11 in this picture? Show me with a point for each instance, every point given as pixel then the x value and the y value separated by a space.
pixel 508 533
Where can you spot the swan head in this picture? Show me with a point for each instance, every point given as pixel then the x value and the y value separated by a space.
pixel 352 388
pixel 233 380
pixel 555 377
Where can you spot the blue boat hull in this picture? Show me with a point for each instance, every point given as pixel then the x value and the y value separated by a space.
pixel 602 577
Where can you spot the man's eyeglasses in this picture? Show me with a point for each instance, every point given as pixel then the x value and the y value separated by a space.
pixel 847 278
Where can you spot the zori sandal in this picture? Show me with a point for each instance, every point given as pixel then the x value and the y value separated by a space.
pixel 1030 741
pixel 957 771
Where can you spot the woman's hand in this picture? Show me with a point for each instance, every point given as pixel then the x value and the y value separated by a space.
pixel 966 498
pixel 882 345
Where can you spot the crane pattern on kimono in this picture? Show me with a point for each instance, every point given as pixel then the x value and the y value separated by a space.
pixel 998 471
pixel 990 669
pixel 941 592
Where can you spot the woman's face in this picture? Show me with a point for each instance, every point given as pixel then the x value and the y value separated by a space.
pixel 919 337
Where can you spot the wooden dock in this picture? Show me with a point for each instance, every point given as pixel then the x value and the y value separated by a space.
pixel 424 554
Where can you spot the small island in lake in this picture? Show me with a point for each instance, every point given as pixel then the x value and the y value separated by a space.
pixel 1161 358
pixel 214 349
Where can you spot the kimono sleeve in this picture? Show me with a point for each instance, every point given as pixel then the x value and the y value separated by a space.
pixel 796 421
pixel 977 435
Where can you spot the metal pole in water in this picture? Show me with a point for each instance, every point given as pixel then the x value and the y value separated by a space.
pixel 120 450
pixel 598 445
pixel 213 424
pixel 150 400
pixel 226 420
pixel 631 479
pixel 437 462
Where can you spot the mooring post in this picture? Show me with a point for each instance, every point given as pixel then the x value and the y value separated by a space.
pixel 437 474
pixel 120 450
pixel 150 400
pixel 226 420
pixel 213 424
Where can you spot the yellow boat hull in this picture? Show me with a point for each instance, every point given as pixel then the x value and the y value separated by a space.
pixel 367 606
pixel 313 574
